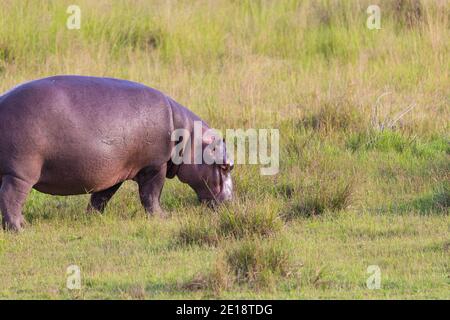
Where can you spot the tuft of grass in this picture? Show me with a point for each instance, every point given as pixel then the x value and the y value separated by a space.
pixel 198 230
pixel 441 197
pixel 258 261
pixel 255 262
pixel 326 193
pixel 219 279
pixel 320 199
pixel 241 220
pixel 409 13
pixel 437 200
pixel 235 221
pixel 338 114
pixel 135 292
pixel 6 54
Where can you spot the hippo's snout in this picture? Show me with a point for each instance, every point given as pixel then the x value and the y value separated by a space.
pixel 227 188
pixel 225 194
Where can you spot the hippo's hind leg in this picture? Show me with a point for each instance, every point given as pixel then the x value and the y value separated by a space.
pixel 13 193
pixel 100 199
pixel 151 182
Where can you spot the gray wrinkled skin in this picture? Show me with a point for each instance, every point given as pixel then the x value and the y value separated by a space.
pixel 69 135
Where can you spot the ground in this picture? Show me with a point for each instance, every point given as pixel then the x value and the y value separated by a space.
pixel 364 151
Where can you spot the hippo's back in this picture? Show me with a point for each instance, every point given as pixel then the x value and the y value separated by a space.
pixel 84 133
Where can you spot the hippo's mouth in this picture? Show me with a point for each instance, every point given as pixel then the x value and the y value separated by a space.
pixel 227 187
pixel 225 193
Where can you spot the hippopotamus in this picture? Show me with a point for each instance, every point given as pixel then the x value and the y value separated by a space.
pixel 71 135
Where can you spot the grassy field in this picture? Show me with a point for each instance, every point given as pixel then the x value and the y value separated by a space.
pixel 364 152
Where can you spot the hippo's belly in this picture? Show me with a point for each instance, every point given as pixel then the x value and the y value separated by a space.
pixel 72 175
pixel 55 182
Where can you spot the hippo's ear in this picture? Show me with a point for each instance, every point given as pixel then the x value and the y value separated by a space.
pixel 172 170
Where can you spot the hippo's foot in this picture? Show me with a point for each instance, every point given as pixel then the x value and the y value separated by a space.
pixel 156 212
pixel 13 193
pixel 14 224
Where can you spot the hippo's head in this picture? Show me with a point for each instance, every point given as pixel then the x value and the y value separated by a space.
pixel 211 182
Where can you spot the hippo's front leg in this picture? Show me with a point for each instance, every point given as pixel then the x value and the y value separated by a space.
pixel 13 193
pixel 151 181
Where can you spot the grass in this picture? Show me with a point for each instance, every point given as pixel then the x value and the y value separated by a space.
pixel 256 260
pixel 236 221
pixel 364 151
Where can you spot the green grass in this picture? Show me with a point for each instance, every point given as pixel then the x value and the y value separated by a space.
pixel 359 184
pixel 235 221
